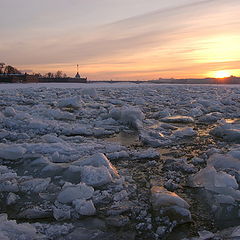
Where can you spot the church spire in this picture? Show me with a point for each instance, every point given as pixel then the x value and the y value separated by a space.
pixel 77 75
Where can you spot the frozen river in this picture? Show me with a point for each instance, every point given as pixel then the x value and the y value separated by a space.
pixel 119 161
pixel 102 85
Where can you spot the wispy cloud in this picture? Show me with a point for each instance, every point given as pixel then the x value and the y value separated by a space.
pixel 156 40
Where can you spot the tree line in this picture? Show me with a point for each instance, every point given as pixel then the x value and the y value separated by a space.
pixel 8 69
pixel 58 74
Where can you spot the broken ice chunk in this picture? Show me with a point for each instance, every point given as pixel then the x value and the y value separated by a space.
pixel 98 160
pixel 170 204
pixel 178 119
pixel 11 152
pixel 84 207
pixel 73 102
pixel 70 193
pixel 96 176
pixel 160 197
pixel 218 182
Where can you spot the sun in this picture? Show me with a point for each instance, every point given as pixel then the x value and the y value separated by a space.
pixel 222 74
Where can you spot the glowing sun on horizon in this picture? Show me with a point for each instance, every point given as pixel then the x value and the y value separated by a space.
pixel 222 74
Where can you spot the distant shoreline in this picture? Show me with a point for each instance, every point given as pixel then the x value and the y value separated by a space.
pixel 25 78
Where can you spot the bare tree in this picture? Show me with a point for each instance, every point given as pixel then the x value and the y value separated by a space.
pixel 11 70
pixel 37 75
pixel 49 75
pixel 59 74
pixel 1 67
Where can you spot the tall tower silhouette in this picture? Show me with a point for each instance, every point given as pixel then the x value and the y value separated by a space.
pixel 77 75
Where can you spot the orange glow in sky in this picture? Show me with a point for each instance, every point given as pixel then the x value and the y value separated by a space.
pixel 123 39
pixel 222 74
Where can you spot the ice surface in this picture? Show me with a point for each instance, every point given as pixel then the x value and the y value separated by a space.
pixel 178 119
pixel 204 235
pixel 71 193
pixel 211 117
pixel 12 198
pixel 229 132
pixel 58 139
pixel 223 161
pixel 218 182
pixel 96 176
pixel 91 92
pixel 11 152
pixel 154 139
pixel 185 133
pixel 61 214
pixel 98 160
pixel 131 116
pixel 11 230
pixel 170 204
pixel 59 115
pixel 9 112
pixel 84 207
pixel 36 185
pixel 72 102
pixel 34 213
pixel 163 198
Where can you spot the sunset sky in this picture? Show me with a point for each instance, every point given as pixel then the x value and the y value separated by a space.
pixel 122 39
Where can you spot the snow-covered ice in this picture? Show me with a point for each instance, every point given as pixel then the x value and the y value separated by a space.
pixel 119 161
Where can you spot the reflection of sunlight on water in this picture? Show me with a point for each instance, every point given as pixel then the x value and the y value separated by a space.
pixel 235 120
pixel 203 132
pixel 161 190
pixel 154 126
pixel 178 126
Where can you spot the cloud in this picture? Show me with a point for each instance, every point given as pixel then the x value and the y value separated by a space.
pixel 170 39
pixel 112 39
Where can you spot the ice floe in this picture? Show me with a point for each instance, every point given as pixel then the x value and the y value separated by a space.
pixel 119 161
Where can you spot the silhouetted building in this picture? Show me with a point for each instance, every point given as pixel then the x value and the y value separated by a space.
pixel 77 75
pixel 18 78
pixel 77 79
pixel 25 78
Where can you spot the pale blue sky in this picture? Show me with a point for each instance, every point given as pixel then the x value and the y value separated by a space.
pixel 119 38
